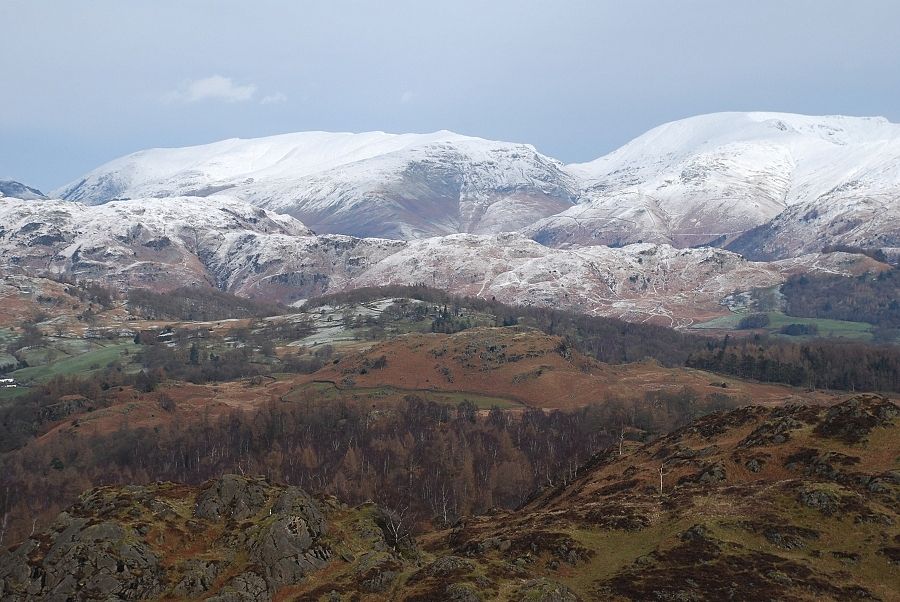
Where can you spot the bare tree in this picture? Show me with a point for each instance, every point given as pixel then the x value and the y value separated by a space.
pixel 393 522
pixel 3 526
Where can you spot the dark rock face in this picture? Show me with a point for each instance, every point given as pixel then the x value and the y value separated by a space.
pixel 113 543
pixel 852 420
pixel 286 546
pixel 80 559
pixel 230 497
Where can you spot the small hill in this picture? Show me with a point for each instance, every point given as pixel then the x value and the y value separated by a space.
pixel 529 367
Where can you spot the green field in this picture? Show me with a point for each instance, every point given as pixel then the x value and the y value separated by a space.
pixel 95 357
pixel 859 331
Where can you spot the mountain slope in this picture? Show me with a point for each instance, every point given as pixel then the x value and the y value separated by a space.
pixel 223 242
pixel 708 179
pixel 704 180
pixel 162 244
pixel 11 188
pixel 792 503
pixel 370 184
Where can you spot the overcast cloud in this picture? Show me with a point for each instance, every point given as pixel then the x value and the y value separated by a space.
pixel 84 82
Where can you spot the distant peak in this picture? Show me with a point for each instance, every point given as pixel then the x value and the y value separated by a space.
pixel 11 188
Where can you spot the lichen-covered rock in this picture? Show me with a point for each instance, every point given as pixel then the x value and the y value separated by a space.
pixel 462 592
pixel 199 576
pixel 709 474
pixel 231 497
pixel 789 537
pixel 826 502
pixel 376 571
pixel 285 544
pixel 446 566
pixel 851 421
pixel 543 590
pixel 172 541
pixel 79 559
pixel 774 431
pixel 246 587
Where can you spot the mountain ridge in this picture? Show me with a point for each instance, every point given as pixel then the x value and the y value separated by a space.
pixel 13 189
pixel 223 242
pixel 704 180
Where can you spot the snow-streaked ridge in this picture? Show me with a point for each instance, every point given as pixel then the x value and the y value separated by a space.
pixel 741 180
pixel 377 184
pixel 223 242
pixel 712 177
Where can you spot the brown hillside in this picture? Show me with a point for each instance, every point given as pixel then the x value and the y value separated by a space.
pixel 531 367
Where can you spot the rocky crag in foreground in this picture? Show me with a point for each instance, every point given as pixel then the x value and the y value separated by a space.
pixel 793 503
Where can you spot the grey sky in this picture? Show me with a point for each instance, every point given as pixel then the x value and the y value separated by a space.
pixel 84 82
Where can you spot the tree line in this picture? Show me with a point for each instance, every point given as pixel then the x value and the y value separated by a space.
pixel 198 304
pixel 437 461
pixel 872 298
pixel 819 364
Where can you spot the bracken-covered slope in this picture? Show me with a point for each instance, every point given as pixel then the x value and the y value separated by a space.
pixel 527 367
pixel 240 248
pixel 708 179
pixel 371 184
pixel 792 503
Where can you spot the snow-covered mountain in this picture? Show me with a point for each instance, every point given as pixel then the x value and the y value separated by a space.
pixel 708 179
pixel 11 188
pixel 224 242
pixel 159 243
pixel 371 184
pixel 768 185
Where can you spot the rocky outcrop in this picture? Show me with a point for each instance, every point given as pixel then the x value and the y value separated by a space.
pixel 853 420
pixel 80 559
pixel 230 497
pixel 124 544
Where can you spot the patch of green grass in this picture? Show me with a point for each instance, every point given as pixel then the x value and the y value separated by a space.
pixel 81 364
pixel 618 549
pixel 10 394
pixel 860 331
pixel 827 328
pixel 483 402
